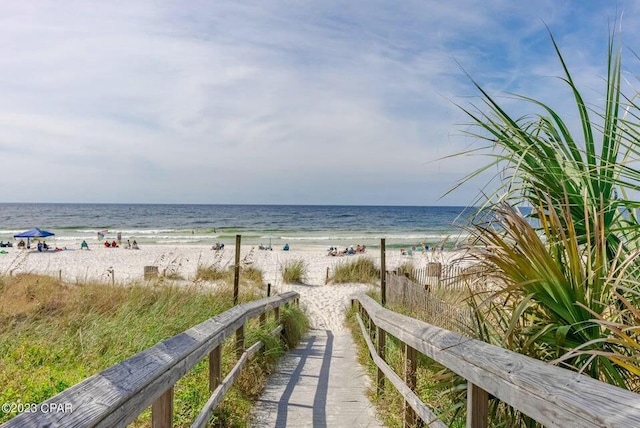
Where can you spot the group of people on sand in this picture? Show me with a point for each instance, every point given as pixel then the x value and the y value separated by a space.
pixel 359 249
pixel 414 249
pixel 270 248
pixel 7 244
pixel 114 244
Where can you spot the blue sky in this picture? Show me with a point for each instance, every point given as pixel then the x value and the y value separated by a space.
pixel 275 101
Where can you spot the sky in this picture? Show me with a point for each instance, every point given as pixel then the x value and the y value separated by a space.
pixel 277 102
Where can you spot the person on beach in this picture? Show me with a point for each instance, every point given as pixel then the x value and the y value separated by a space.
pixel 128 244
pixel 84 245
pixel 114 244
pixel 286 247
pixel 119 238
pixel 106 244
pixel 21 244
pixel 135 245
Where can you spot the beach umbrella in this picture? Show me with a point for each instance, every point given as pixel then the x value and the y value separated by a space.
pixel 33 233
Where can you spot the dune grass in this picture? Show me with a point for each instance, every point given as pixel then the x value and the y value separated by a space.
pixel 54 335
pixel 294 271
pixel 435 385
pixel 360 269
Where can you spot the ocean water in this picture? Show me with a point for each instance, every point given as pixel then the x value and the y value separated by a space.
pixel 297 225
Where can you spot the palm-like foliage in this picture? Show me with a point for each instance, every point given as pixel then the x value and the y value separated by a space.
pixel 542 160
pixel 553 304
pixel 562 296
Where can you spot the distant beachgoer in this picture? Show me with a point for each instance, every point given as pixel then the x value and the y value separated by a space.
pixel 21 244
pixel 39 246
pixel 114 244
pixel 44 245
pixel 128 244
pixel 135 245
pixel 286 247
pixel 106 244
pixel 119 238
pixel 84 245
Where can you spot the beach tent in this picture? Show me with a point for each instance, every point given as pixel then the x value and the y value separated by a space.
pixel 33 233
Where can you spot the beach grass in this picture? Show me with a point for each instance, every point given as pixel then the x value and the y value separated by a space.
pixel 360 269
pixel 295 271
pixel 54 335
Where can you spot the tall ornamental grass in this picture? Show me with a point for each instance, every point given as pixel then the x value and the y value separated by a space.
pixel 569 271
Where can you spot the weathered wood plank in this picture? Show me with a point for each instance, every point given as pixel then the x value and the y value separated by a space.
pixel 477 407
pixel 410 367
pixel 117 395
pixel 418 406
pixel 551 395
pixel 240 340
pixel 382 339
pixel 218 394
pixel 162 410
pixel 215 364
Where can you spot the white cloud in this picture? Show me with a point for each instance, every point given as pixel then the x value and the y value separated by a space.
pixel 267 102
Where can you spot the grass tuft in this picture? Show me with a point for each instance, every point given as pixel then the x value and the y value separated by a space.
pixel 361 269
pixel 294 272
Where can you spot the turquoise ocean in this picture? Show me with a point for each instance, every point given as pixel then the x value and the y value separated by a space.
pixel 297 225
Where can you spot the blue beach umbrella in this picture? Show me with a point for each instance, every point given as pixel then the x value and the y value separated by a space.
pixel 33 233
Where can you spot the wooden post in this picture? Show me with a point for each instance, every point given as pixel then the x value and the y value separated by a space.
pixel 60 275
pixel 276 314
pixel 410 366
pixel 162 410
pixel 150 272
pixel 477 407
pixel 326 278
pixel 215 360
pixel 383 274
pixel 113 277
pixel 263 319
pixel 240 341
pixel 269 289
pixel 236 274
pixel 382 336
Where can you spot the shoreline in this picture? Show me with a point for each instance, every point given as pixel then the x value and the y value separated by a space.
pixel 95 265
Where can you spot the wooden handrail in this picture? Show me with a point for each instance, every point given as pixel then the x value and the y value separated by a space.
pixel 117 395
pixel 551 395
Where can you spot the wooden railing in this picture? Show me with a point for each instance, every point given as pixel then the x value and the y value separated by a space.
pixel 553 396
pixel 117 395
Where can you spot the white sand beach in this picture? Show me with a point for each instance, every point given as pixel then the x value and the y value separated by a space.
pixel 76 265
pixel 325 304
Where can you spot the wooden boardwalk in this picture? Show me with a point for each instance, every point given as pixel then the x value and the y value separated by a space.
pixel 318 384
